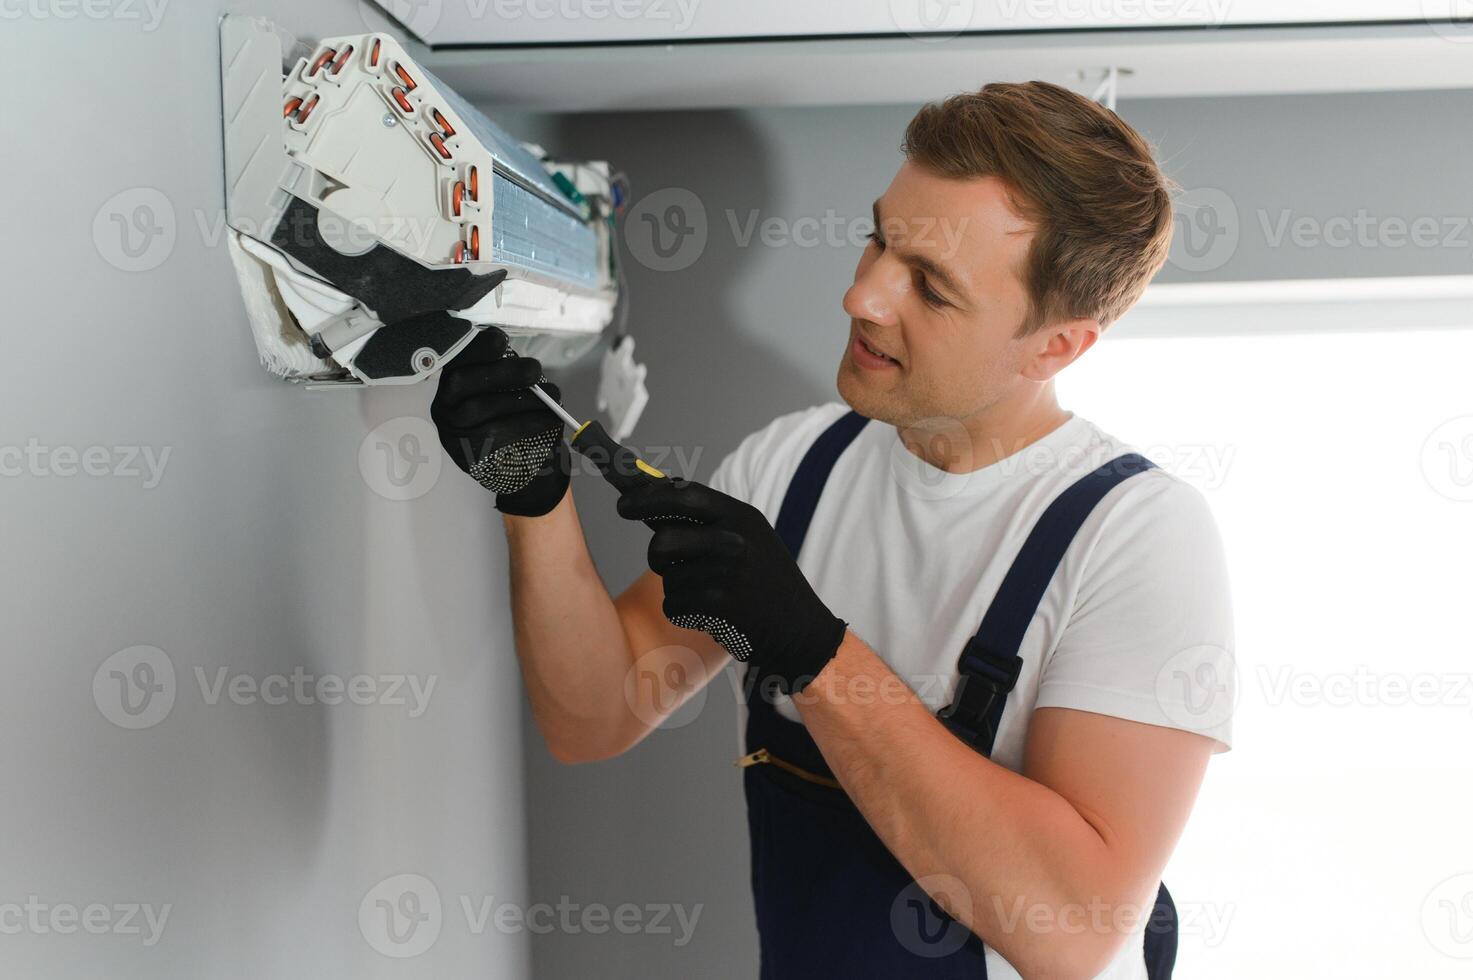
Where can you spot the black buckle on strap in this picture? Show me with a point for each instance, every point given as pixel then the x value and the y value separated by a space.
pixel 985 678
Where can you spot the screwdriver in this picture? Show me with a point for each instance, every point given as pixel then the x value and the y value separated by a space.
pixel 619 464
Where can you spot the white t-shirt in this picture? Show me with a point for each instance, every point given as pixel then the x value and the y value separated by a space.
pixel 1136 623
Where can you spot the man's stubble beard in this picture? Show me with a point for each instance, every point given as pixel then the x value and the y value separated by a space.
pixel 904 407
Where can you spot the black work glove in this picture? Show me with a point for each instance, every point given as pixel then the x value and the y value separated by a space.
pixel 500 433
pixel 727 572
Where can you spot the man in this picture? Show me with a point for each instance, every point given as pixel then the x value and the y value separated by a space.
pixel 1030 776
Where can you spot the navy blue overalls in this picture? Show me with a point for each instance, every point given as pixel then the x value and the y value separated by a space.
pixel 832 901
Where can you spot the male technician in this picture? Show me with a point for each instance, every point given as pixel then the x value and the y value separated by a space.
pixel 997 668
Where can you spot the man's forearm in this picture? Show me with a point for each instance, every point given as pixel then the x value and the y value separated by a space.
pixel 1017 847
pixel 571 645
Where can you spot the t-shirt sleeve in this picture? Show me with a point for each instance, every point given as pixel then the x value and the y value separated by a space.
pixel 729 476
pixel 740 472
pixel 1150 635
pixel 759 468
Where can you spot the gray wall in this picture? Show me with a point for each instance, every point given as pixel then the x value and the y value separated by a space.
pixel 742 334
pixel 262 549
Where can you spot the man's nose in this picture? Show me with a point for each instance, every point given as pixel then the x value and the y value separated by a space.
pixel 876 293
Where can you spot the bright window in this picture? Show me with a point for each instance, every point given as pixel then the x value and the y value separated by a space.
pixel 1336 839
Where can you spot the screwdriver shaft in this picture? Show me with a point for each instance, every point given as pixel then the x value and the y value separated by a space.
pixel 562 412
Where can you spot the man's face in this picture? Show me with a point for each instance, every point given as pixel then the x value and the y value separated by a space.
pixel 937 289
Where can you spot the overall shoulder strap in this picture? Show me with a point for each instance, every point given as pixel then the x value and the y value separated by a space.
pixel 801 500
pixel 765 727
pixel 989 664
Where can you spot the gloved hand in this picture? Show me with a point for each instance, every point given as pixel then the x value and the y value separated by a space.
pixel 727 572
pixel 500 433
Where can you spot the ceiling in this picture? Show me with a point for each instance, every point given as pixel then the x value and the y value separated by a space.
pixel 497 23
pixel 1162 63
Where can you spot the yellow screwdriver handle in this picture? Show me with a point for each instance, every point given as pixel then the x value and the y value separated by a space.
pixel 619 464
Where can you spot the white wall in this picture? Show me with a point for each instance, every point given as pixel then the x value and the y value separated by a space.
pixel 262 549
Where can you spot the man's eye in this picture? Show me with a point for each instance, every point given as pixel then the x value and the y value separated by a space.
pixel 928 295
pixel 876 240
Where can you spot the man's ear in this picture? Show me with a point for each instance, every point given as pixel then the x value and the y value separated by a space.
pixel 1058 345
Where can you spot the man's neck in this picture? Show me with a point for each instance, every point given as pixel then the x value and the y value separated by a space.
pixel 981 439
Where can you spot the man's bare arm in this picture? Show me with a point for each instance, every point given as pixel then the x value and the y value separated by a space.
pixel 1048 857
pixel 600 673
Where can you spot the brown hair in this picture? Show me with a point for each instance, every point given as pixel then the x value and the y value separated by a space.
pixel 1088 182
